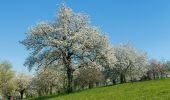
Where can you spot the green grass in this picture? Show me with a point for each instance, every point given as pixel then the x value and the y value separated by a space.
pixel 147 90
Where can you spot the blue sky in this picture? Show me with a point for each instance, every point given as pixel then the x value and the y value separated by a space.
pixel 144 23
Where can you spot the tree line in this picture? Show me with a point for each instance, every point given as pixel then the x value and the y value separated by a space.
pixel 69 54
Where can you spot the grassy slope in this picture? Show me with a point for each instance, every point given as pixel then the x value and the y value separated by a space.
pixel 148 90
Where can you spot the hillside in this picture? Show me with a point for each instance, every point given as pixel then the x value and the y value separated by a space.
pixel 147 90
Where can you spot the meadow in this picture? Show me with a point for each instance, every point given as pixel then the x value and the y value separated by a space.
pixel 147 90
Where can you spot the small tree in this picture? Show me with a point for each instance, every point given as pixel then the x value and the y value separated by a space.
pixel 7 83
pixel 156 69
pixel 166 66
pixel 46 80
pixel 90 76
pixel 130 62
pixel 23 83
pixel 110 75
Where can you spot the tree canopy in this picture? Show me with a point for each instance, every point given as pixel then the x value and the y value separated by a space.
pixel 69 41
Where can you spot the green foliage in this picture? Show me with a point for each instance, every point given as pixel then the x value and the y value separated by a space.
pixel 7 84
pixel 147 90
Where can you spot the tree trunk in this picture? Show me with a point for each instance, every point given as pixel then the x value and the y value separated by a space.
pixel 39 93
pixel 10 98
pixel 114 82
pixel 161 75
pixel 67 61
pixel 148 76
pixel 90 85
pixel 70 80
pixel 46 90
pixel 51 90
pixel 22 94
pixel 154 76
pixel 82 86
pixel 122 78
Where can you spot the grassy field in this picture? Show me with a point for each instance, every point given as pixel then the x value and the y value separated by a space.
pixel 147 90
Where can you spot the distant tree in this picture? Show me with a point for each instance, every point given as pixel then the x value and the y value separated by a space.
pixel 110 70
pixel 89 77
pixel 23 83
pixel 167 64
pixel 69 41
pixel 110 75
pixel 7 83
pixel 157 69
pixel 45 81
pixel 166 67
pixel 130 62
